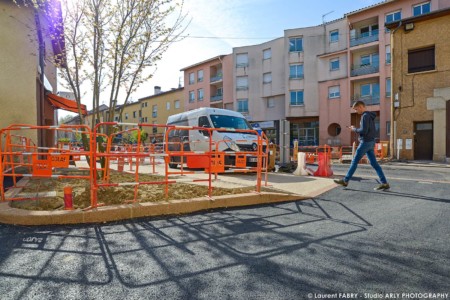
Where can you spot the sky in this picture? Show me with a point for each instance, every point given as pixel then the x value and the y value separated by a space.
pixel 216 26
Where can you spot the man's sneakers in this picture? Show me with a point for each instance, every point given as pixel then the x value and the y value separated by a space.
pixel 382 187
pixel 341 182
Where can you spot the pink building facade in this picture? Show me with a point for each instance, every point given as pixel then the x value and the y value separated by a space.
pixel 368 78
pixel 209 83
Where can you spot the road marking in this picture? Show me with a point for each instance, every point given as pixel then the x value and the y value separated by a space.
pixel 424 182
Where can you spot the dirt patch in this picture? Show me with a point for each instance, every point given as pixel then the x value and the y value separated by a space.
pixel 40 188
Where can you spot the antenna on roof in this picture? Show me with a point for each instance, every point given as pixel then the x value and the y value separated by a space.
pixel 323 16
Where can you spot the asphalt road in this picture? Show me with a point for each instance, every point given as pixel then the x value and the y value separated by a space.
pixel 348 240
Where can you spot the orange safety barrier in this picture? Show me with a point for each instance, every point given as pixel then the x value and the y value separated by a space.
pixel 44 160
pixel 310 153
pixel 324 162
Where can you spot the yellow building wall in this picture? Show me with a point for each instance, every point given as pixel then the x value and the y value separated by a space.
pixel 19 62
pixel 413 89
pixel 18 66
pixel 163 111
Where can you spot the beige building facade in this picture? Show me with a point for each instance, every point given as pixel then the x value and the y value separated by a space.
pixel 22 93
pixel 421 86
pixel 259 84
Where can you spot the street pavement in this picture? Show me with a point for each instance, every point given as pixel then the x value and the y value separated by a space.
pixel 347 240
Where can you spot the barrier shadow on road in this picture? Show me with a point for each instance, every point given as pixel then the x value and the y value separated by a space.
pixel 233 238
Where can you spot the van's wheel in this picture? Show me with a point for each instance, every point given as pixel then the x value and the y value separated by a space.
pixel 173 166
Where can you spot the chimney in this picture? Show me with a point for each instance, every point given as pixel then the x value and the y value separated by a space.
pixel 157 89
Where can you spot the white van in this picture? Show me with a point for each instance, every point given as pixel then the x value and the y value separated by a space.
pixel 198 140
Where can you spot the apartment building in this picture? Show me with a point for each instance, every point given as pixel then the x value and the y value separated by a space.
pixel 421 86
pixel 369 56
pixel 332 67
pixel 209 83
pixel 259 79
pixel 157 108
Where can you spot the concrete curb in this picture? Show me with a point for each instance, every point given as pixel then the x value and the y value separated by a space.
pixel 9 215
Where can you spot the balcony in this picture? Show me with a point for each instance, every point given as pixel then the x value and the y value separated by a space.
pixel 364 38
pixel 216 98
pixel 216 78
pixel 373 99
pixel 364 69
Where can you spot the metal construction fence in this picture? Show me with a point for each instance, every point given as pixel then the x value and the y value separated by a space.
pixel 20 157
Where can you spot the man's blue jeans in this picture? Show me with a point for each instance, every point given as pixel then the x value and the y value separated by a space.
pixel 365 148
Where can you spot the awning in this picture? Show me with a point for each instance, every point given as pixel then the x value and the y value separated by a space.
pixel 66 104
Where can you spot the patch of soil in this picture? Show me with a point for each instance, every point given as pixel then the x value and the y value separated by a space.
pixel 112 195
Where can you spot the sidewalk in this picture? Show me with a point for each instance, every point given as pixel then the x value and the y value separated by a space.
pixel 280 187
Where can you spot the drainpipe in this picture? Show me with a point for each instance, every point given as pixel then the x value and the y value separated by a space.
pixel 393 139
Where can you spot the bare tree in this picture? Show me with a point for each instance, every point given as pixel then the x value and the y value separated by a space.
pixel 108 46
pixel 111 46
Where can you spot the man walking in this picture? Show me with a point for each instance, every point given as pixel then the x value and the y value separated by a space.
pixel 366 146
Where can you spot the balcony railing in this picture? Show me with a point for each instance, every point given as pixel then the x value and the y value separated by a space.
pixel 216 98
pixel 218 77
pixel 373 99
pixel 364 38
pixel 358 70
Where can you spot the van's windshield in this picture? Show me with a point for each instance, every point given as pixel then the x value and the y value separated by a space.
pixel 229 122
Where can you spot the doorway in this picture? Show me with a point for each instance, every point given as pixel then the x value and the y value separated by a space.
pixel 423 141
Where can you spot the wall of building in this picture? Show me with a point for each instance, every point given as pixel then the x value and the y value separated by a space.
pixel 18 66
pixel 163 112
pixel 418 93
pixel 259 93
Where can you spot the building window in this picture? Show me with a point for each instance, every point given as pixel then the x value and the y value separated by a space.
pixel 191 96
pixel 242 105
pixel 200 94
pixel 270 102
pixel 334 92
pixel 177 104
pixel 334 64
pixel 140 113
pixel 393 16
pixel 126 116
pixel 155 111
pixel 371 30
pixel 200 75
pixel 370 93
pixel 168 105
pixel 388 87
pixel 242 83
pixel 388 54
pixel 334 36
pixel 267 53
pixel 242 60
pixel 144 104
pixel 267 77
pixel 145 119
pixel 191 78
pixel 134 114
pixel 421 9
pixel 420 60
pixel 295 44
pixel 370 60
pixel 388 127
pixel 296 97
pixel 296 72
